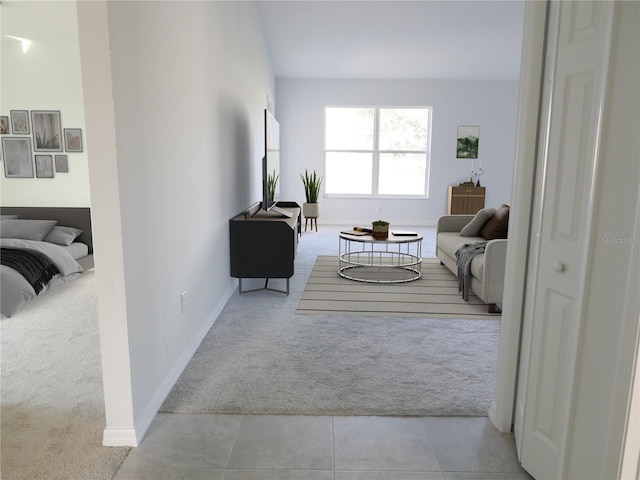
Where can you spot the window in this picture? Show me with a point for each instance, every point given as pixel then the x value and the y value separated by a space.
pixel 377 151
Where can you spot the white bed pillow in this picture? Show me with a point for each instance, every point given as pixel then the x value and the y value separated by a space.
pixel 62 235
pixel 26 229
pixel 472 229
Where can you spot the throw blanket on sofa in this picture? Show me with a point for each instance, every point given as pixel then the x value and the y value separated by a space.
pixel 464 255
pixel 35 267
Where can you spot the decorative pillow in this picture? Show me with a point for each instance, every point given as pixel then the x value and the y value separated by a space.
pixel 26 229
pixel 62 235
pixel 8 217
pixel 497 225
pixel 472 229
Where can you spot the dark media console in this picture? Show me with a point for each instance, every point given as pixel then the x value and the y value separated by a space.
pixel 263 244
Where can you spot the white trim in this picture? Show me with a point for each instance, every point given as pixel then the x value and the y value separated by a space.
pixel 133 437
pixel 119 437
pixel 533 48
pixel 624 440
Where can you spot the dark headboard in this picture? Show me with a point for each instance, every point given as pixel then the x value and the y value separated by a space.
pixel 77 217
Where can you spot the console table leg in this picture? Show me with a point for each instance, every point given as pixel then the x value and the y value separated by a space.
pixel 266 287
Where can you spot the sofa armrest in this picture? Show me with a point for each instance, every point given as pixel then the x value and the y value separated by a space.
pixel 452 223
pixel 494 270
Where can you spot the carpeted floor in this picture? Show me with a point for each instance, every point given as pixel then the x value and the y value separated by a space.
pixel 341 365
pixel 52 407
pixel 261 357
pixel 435 294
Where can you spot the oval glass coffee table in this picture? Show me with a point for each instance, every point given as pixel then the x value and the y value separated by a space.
pixel 396 259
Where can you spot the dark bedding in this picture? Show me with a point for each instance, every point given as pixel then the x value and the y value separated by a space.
pixel 16 289
pixel 35 267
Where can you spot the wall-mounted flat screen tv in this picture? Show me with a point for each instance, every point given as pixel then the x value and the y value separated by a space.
pixel 270 162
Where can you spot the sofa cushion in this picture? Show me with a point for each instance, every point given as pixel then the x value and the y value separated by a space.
pixel 472 229
pixel 450 242
pixel 497 225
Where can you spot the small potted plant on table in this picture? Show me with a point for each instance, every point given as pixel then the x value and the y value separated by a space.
pixel 380 229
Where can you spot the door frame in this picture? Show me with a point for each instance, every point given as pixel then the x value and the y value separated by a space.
pixel 501 412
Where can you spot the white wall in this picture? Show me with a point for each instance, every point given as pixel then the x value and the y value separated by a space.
pixel 190 82
pixel 491 105
pixel 46 77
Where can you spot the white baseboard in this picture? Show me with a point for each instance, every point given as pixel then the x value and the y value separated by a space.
pixel 114 437
pixel 133 437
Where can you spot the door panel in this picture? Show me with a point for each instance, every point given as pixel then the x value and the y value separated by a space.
pixel 575 74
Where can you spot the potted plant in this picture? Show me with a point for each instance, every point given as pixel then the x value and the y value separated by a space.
pixel 311 183
pixel 272 181
pixel 380 229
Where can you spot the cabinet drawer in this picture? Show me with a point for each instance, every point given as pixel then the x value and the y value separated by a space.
pixel 467 191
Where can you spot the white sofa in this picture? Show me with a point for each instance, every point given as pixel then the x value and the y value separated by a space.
pixel 487 269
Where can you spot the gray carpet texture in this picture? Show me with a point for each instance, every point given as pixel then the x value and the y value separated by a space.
pixel 52 405
pixel 260 357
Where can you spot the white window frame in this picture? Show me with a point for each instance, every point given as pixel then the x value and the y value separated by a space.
pixel 376 154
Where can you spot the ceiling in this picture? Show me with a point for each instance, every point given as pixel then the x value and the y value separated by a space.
pixel 466 40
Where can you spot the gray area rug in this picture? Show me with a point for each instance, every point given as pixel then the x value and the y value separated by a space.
pixel 260 357
pixel 52 407
pixel 435 294
pixel 334 365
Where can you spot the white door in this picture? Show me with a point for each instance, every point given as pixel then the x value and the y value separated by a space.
pixel 578 43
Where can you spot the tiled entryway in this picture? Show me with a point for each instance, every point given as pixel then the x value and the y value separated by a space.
pixel 282 447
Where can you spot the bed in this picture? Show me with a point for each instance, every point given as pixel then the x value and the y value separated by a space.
pixel 42 247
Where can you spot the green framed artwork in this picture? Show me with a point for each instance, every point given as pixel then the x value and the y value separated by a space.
pixel 468 140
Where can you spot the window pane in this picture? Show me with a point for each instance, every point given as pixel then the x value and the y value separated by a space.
pixel 402 174
pixel 404 129
pixel 349 173
pixel 349 129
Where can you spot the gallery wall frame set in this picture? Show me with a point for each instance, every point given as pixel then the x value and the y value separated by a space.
pixel 4 125
pixel 44 166
pixel 17 157
pixel 47 130
pixel 45 134
pixel 62 164
pixel 72 140
pixel 20 122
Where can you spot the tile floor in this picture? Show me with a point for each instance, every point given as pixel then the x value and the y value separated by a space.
pixel 265 447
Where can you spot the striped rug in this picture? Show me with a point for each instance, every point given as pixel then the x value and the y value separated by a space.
pixel 434 295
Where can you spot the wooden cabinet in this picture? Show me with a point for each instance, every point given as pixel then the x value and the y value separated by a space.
pixel 465 200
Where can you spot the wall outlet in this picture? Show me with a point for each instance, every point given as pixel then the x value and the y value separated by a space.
pixel 183 301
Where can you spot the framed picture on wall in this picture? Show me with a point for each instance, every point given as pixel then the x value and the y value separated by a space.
pixel 468 140
pixel 44 166
pixel 62 164
pixel 47 132
pixel 20 122
pixel 4 125
pixel 17 155
pixel 73 139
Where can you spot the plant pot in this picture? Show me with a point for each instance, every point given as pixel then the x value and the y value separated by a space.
pixel 311 210
pixel 380 232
